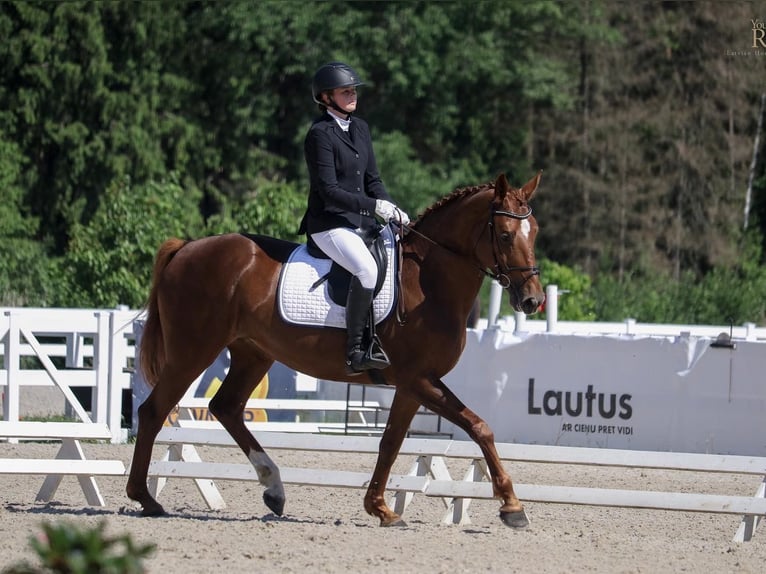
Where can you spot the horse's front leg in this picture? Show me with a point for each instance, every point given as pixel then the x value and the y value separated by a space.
pixel 435 396
pixel 402 411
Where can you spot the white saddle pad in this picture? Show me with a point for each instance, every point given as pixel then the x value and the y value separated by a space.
pixel 301 305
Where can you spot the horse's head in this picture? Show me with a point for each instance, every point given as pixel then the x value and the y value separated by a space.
pixel 510 252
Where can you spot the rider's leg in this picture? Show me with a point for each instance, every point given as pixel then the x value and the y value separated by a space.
pixel 347 249
pixel 357 316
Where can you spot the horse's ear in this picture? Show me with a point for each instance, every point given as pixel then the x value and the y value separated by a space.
pixel 501 187
pixel 530 187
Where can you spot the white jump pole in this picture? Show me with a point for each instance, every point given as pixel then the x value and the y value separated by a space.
pixel 495 296
pixel 552 307
pixel 521 322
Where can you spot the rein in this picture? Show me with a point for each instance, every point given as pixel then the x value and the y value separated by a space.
pixel 500 273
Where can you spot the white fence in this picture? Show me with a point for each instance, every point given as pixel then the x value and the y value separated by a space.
pixel 70 458
pixel 519 324
pixel 68 348
pixel 636 387
pixel 94 348
pixel 430 476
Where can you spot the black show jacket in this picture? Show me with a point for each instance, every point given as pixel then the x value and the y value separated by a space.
pixel 343 175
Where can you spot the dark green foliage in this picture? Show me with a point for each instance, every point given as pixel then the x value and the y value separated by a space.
pixel 273 208
pixel 574 289
pixel 124 123
pixel 25 269
pixel 109 261
pixel 729 293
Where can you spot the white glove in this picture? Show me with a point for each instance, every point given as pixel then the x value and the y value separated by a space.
pixel 387 211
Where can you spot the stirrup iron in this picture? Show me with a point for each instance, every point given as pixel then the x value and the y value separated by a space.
pixel 374 357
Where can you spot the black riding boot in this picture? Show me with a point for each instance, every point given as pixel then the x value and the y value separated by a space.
pixel 357 315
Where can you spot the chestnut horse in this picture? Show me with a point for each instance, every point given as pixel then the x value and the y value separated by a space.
pixel 219 292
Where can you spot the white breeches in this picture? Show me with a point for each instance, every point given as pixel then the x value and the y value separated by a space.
pixel 348 250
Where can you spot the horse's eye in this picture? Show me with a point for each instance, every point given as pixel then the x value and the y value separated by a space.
pixel 506 237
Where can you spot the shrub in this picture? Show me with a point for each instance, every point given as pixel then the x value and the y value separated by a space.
pixel 69 549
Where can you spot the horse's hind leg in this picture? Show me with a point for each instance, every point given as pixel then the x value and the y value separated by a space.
pixel 168 391
pixel 403 409
pixel 247 369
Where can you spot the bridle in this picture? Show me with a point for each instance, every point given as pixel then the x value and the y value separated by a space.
pixel 499 272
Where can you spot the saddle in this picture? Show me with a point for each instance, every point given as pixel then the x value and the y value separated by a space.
pixel 313 289
pixel 338 278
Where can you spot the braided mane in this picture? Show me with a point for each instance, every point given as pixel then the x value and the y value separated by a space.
pixel 459 193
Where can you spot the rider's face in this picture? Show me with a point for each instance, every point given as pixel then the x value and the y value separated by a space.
pixel 345 98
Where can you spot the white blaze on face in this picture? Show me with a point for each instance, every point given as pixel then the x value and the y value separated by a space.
pixel 525 228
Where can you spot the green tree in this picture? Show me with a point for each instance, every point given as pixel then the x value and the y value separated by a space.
pixel 413 185
pixel 25 271
pixel 643 124
pixel 109 261
pixel 274 208
pixel 88 98
pixel 733 292
pixel 575 302
pixel 652 158
pixel 458 80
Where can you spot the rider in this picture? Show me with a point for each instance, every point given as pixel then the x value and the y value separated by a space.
pixel 346 193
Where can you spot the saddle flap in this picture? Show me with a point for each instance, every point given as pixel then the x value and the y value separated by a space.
pixel 310 292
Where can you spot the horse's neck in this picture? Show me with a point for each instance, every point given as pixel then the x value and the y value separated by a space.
pixel 450 272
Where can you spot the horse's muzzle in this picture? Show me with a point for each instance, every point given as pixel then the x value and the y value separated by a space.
pixel 529 304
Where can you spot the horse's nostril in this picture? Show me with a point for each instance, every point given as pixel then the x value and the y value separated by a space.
pixel 530 305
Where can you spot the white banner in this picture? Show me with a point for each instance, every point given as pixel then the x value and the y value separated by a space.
pixel 641 393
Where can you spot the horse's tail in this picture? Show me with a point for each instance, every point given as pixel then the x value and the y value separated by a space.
pixel 152 350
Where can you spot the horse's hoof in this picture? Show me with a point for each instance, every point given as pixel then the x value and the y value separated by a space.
pixel 275 502
pixel 396 521
pixel 153 510
pixel 516 519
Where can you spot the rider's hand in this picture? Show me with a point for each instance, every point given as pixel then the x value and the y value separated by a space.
pixel 388 212
pixel 385 209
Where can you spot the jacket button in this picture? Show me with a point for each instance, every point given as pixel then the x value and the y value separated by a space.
pixel 356 155
pixel 358 172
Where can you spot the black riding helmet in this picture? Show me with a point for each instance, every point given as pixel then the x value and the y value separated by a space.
pixel 331 76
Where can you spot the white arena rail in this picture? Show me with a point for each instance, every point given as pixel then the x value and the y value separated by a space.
pixel 360 417
pixel 429 474
pixel 95 348
pixel 69 460
pixel 67 348
pixel 518 323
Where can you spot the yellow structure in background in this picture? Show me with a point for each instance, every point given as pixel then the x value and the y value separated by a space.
pixel 203 414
